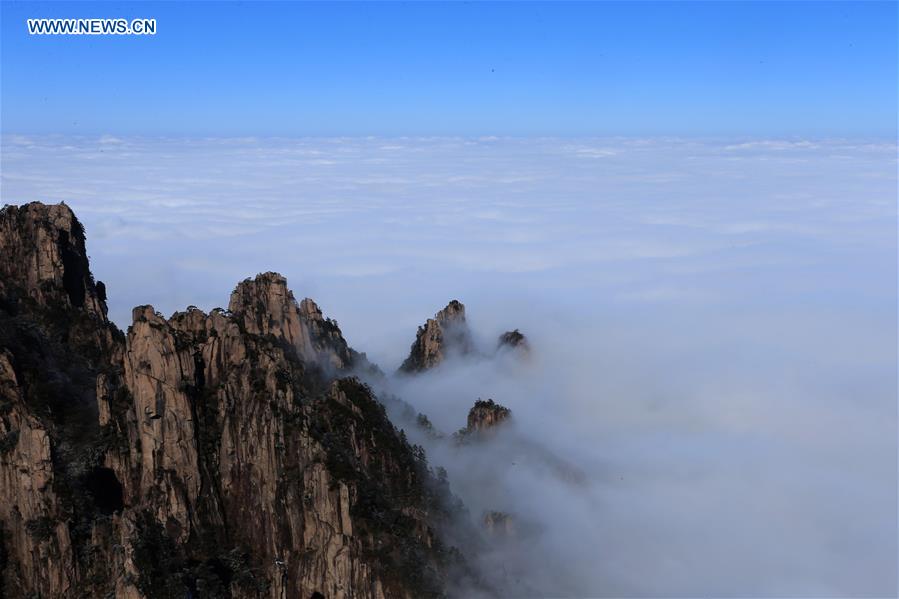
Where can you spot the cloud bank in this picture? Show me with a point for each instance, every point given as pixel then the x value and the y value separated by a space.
pixel 714 324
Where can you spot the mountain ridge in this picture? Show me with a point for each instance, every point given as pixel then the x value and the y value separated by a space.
pixel 222 454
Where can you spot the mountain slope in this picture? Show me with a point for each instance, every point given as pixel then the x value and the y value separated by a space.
pixel 220 454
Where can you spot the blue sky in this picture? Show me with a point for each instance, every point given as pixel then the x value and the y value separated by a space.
pixel 231 69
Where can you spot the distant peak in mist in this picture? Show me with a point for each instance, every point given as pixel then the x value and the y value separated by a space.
pixel 437 337
pixel 487 414
pixel 448 334
pixel 514 340
pixel 484 418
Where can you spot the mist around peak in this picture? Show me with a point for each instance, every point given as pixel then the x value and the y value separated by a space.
pixel 613 460
pixel 712 327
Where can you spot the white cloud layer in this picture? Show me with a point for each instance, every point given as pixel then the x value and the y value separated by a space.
pixel 715 321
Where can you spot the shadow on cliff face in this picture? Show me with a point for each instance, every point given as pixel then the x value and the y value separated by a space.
pixel 106 490
pixel 631 470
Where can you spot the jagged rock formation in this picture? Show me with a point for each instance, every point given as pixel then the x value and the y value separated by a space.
pixel 265 306
pixel 204 455
pixel 483 420
pixel 440 336
pixel 485 415
pixel 45 261
pixel 514 340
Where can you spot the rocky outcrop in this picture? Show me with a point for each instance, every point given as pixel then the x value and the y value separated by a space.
pixel 486 414
pixel 265 306
pixel 44 259
pixel 448 334
pixel 484 418
pixel 445 334
pixel 515 341
pixel 204 455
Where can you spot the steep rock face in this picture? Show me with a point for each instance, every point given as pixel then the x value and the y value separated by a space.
pixel 37 543
pixel 445 333
pixel 55 342
pixel 221 454
pixel 237 436
pixel 484 418
pixel 266 306
pixel 485 415
pixel 44 259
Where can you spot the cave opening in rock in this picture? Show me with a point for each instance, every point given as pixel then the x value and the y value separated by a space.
pixel 316 595
pixel 105 488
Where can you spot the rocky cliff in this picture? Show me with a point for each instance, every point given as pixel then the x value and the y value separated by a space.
pixel 448 334
pixel 484 419
pixel 485 415
pixel 440 336
pixel 227 454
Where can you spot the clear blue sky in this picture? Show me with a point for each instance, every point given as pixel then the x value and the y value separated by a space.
pixel 706 69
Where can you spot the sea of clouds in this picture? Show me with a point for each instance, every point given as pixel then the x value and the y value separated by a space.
pixel 713 322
